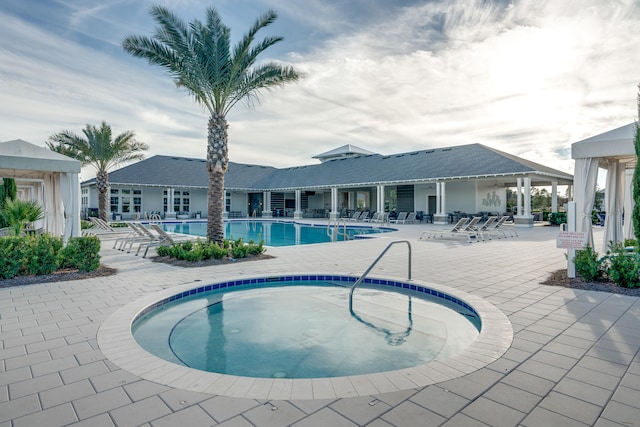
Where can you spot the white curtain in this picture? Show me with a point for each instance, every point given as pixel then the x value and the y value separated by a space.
pixel 69 192
pixel 614 200
pixel 628 230
pixel 38 196
pixel 54 210
pixel 585 180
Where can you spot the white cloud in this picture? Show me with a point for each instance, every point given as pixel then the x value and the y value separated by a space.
pixel 527 78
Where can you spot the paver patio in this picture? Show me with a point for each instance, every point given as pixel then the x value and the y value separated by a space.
pixel 573 360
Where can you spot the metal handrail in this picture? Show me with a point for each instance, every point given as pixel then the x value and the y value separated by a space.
pixel 355 285
pixel 337 222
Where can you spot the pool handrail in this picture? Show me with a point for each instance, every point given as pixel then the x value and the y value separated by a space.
pixel 357 283
pixel 336 224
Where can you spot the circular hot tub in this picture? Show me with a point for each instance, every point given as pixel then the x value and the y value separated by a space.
pixel 244 336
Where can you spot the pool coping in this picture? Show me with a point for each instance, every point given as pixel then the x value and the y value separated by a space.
pixel 118 345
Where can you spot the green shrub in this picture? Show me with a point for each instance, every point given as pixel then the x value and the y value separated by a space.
pixel 256 248
pixel 557 218
pixel 82 253
pixel 630 242
pixel 624 266
pixel 85 225
pixel 239 249
pixel 42 254
pixel 11 256
pixel 589 265
pixel 202 250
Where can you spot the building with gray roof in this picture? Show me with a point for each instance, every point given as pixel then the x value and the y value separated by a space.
pixel 468 178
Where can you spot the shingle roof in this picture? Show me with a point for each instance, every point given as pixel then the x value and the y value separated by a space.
pixel 465 161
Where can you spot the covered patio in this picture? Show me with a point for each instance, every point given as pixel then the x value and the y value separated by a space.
pixel 613 151
pixel 49 178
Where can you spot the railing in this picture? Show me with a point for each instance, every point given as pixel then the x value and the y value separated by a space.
pixel 355 285
pixel 335 223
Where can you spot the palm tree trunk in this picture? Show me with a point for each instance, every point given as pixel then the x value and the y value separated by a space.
pixel 102 184
pixel 217 163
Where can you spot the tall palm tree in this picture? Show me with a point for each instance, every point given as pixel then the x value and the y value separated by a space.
pixel 199 58
pixel 97 148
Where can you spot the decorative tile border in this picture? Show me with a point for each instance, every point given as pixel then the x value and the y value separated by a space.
pixel 117 343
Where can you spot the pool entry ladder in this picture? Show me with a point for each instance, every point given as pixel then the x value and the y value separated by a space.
pixel 333 231
pixel 355 285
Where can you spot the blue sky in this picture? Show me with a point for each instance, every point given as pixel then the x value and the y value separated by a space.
pixel 527 77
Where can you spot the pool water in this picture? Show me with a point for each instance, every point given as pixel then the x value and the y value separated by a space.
pixel 273 233
pixel 304 329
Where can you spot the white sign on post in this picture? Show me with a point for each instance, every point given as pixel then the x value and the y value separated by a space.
pixel 571 240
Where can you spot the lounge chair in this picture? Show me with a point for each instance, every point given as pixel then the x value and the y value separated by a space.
pixel 164 238
pixel 364 217
pixel 499 230
pixel 435 233
pixel 484 229
pixel 379 217
pixel 138 234
pixel 355 216
pixel 464 227
pixel 401 218
pixel 411 218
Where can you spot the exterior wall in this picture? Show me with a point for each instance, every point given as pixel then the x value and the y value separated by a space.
pixel 239 203
pixel 490 198
pixel 460 196
pixel 420 194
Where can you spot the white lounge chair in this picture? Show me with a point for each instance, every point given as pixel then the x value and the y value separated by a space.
pixel 164 238
pixel 355 216
pixel 484 229
pixel 464 227
pixel 499 230
pixel 401 218
pixel 430 234
pixel 411 218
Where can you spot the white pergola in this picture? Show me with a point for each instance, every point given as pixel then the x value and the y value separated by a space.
pixel 613 151
pixel 49 178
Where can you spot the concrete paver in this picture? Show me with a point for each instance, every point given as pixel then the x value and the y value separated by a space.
pixel 573 360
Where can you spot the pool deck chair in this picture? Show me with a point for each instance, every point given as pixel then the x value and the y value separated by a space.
pixel 432 234
pixel 499 230
pixel 411 218
pixel 355 216
pixel 164 238
pixel 464 228
pixel 364 216
pixel 484 230
pixel 139 234
pixel 401 218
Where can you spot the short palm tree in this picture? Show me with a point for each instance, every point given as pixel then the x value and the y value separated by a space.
pixel 199 58
pixel 98 149
pixel 19 213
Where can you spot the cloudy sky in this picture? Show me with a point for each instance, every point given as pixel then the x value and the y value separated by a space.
pixel 526 76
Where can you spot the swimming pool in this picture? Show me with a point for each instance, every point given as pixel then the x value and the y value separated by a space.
pixel 286 327
pixel 275 233
pixel 116 341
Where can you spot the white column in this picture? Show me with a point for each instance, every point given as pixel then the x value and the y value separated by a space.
pixel 380 199
pixel 527 196
pixel 334 203
pixel 443 195
pixel 519 197
pixel 266 204
pixel 554 197
pixel 438 200
pixel 297 214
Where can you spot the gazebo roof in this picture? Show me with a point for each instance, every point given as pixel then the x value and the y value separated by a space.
pixel 22 159
pixel 616 143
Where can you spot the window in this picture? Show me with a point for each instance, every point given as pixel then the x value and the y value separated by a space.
pixel 181 201
pixel 227 202
pixel 121 200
